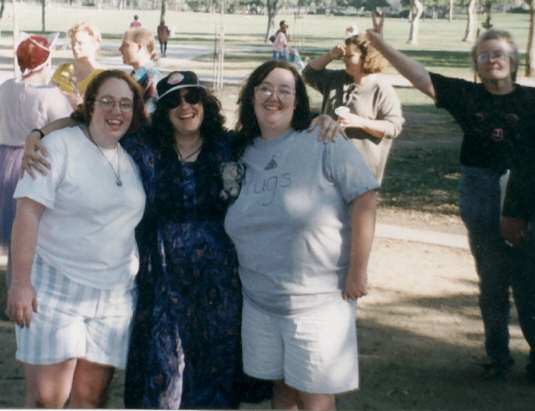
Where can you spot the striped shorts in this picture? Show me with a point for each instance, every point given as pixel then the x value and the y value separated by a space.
pixel 75 321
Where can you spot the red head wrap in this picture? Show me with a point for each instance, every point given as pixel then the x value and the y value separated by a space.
pixel 32 53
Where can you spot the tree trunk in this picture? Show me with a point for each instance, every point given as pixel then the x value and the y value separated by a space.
pixel 417 9
pixel 164 9
pixel 43 10
pixel 452 5
pixel 272 12
pixel 530 51
pixel 472 21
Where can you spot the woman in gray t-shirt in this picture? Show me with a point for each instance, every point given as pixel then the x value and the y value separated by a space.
pixel 303 226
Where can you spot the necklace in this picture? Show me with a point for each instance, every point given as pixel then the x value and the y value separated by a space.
pixel 118 173
pixel 181 157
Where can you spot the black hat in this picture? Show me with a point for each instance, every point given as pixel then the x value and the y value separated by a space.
pixel 177 80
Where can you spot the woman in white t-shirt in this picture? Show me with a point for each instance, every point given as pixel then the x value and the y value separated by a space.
pixel 74 252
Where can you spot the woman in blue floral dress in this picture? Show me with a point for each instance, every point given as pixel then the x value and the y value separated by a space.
pixel 189 302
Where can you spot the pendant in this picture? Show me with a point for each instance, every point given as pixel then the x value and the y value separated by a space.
pixel 119 183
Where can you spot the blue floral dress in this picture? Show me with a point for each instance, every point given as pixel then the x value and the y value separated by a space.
pixel 185 348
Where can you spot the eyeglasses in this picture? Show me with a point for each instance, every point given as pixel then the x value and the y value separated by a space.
pixel 108 104
pixel 496 55
pixel 175 99
pixel 265 91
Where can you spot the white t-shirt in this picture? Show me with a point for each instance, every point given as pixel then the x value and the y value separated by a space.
pixel 26 106
pixel 291 221
pixel 87 229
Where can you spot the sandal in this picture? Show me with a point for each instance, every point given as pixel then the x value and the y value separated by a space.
pixel 497 370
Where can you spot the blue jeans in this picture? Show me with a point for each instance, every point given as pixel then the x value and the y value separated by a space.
pixel 499 266
pixel 280 55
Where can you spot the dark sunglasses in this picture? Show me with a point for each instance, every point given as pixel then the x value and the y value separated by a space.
pixel 175 99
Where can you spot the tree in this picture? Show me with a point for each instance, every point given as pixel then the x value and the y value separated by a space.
pixel 417 9
pixel 272 7
pixel 43 9
pixel 472 21
pixel 164 9
pixel 488 10
pixel 369 5
pixel 530 51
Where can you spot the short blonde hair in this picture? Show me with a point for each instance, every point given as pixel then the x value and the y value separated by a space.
pixel 89 28
pixel 140 35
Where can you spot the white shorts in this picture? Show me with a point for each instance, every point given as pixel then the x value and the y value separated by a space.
pixel 75 321
pixel 315 352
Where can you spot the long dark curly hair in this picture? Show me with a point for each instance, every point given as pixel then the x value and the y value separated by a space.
pixel 84 112
pixel 247 125
pixel 212 126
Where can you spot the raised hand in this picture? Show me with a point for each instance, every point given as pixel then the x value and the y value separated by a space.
pixel 336 52
pixel 377 32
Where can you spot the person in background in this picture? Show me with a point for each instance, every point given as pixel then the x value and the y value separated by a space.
pixel 29 103
pixel 495 116
pixel 73 78
pixel 74 252
pixel 281 42
pixel 135 23
pixel 163 36
pixel 137 50
pixel 372 117
pixel 303 226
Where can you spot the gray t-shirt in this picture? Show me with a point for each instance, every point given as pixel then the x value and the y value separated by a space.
pixel 291 221
pixel 374 100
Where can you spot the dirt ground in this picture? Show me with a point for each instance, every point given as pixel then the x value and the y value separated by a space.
pixel 420 339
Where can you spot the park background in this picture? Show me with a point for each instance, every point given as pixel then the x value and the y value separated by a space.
pixel 420 332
